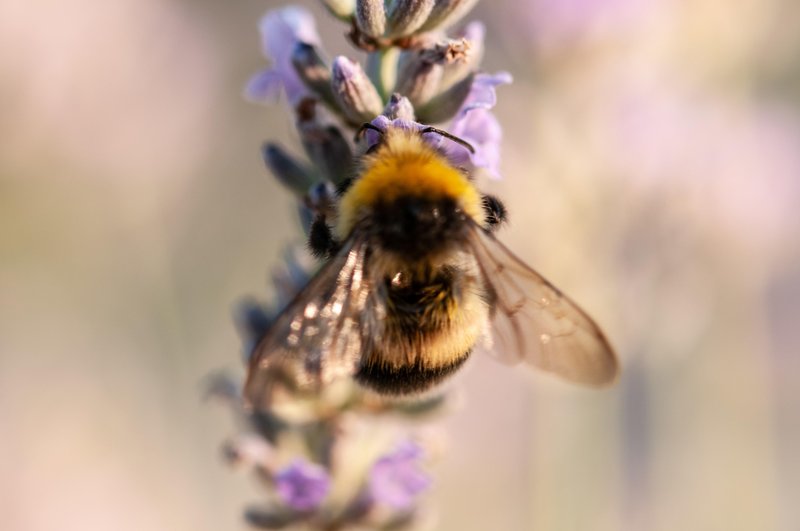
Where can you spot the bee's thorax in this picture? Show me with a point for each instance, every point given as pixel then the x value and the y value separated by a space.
pixel 414 228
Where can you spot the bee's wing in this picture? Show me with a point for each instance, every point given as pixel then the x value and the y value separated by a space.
pixel 321 333
pixel 533 321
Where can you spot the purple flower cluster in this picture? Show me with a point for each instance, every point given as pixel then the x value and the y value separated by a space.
pixel 436 80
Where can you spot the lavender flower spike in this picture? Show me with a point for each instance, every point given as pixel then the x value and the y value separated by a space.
pixel 395 479
pixel 281 30
pixel 302 486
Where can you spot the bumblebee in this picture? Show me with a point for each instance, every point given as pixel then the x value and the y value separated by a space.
pixel 414 280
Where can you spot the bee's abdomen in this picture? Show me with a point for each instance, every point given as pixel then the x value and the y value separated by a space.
pixel 431 324
pixel 406 379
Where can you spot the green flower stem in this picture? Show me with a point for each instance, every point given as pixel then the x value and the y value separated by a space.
pixel 382 70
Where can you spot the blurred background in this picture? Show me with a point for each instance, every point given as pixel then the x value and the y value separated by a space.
pixel 651 168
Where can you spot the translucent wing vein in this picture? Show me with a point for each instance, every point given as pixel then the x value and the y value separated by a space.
pixel 533 321
pixel 321 333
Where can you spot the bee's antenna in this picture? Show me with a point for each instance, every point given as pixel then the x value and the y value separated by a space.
pixel 367 126
pixel 447 135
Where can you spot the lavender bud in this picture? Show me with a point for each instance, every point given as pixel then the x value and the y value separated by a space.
pixel 357 96
pixel 329 150
pixel 371 17
pixel 420 77
pixel 287 169
pixel 419 80
pixel 321 198
pixel 399 108
pixel 313 71
pixel 253 321
pixel 223 388
pixel 290 277
pixel 306 217
pixel 273 518
pixel 446 13
pixel 407 16
pixel 342 9
pixel 447 52
pixel 446 104
pixel 472 53
pixel 324 143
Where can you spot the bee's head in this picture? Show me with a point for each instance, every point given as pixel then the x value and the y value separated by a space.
pixel 409 198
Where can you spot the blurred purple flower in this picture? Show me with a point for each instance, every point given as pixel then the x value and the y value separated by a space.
pixel 395 479
pixel 281 30
pixel 302 485
pixel 554 22
pixel 742 167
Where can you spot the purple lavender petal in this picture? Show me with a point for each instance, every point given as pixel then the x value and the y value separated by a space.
pixel 475 124
pixel 480 128
pixel 395 479
pixel 482 94
pixel 264 87
pixel 281 30
pixel 302 486
pixel 558 22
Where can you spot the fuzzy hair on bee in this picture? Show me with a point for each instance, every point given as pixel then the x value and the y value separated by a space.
pixel 414 281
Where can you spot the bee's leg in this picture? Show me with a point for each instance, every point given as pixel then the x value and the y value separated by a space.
pixel 344 186
pixel 320 238
pixel 496 213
